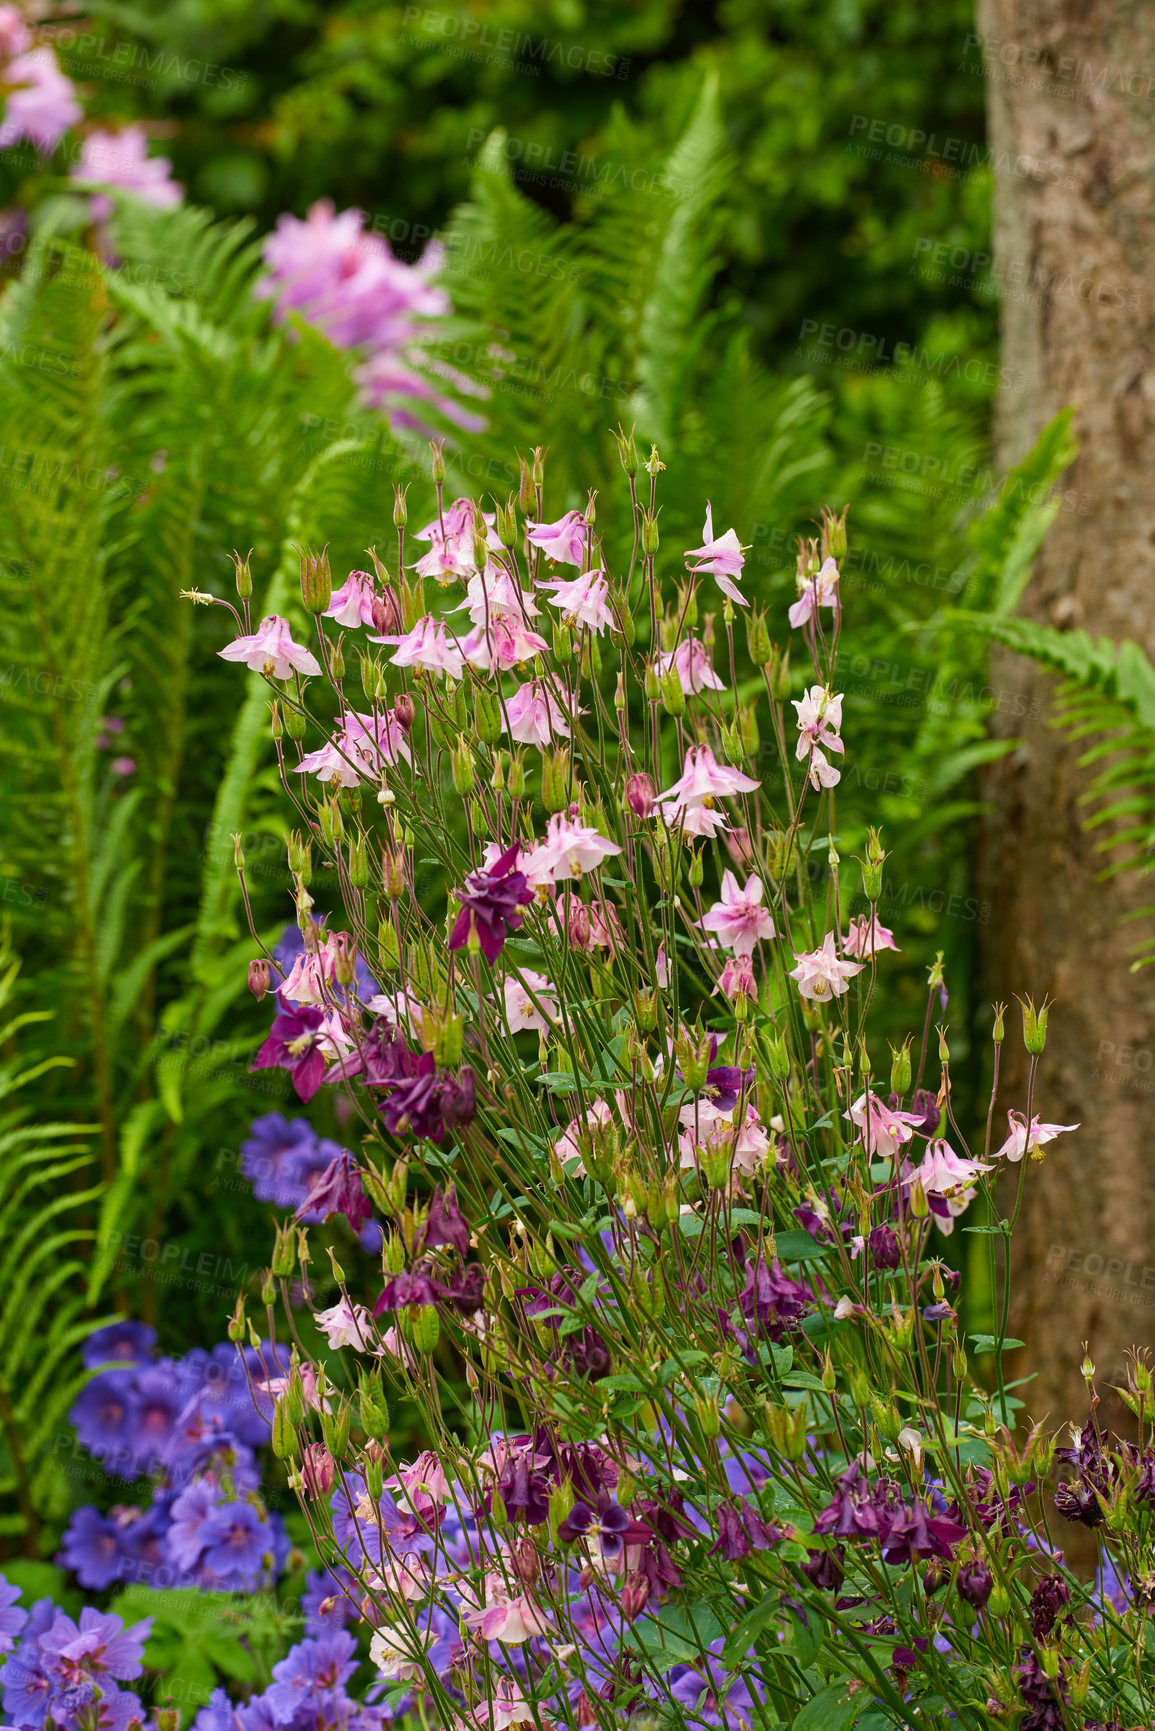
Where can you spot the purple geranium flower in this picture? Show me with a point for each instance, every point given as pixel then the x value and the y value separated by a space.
pixel 282 1156
pixel 130 1342
pixel 105 1416
pixel 12 1618
pixel 92 1549
pixel 236 1541
pixel 311 1672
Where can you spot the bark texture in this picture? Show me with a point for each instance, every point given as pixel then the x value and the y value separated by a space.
pixel 1071 98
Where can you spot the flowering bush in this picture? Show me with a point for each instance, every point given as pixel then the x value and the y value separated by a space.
pixel 665 1261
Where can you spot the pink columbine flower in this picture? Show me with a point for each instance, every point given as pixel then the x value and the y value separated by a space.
pixel 312 974
pixel 506 642
pixel 703 777
pixel 507 1707
pixel 122 159
pixel 820 772
pixel 451 553
pixel 520 1009
pixel 820 591
pixel 583 599
pixel 494 591
pixel 705 1129
pixel 533 715
pixel 737 979
pixel 427 647
pixel 739 920
pixel 271 651
pixel 722 558
pixel 15 36
pixel 662 968
pixel 945 1173
pixel 352 603
pixel 569 849
pixel 1032 1142
pixel 504 1616
pixel 359 750
pixel 40 102
pixel 700 823
pixel 819 719
pixel 691 662
pixel 820 974
pixel 881 1131
pixel 392 1651
pixel 346 1324
pixel 864 936
pixel 564 541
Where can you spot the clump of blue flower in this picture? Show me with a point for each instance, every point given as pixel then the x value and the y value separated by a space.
pixel 68 1672
pixel 192 1425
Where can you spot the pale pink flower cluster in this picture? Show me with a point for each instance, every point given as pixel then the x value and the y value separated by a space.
pixel 349 284
pixel 1023 1141
pixel 121 159
pixel 451 538
pixel 705 1130
pixel 270 650
pixel 361 747
pixel 39 102
pixel 865 937
pixel 721 557
pixel 691 662
pixel 821 974
pixel 702 781
pixel 819 719
pixel 565 541
pixel 738 920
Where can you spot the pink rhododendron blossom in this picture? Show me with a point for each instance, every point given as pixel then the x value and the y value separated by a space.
pixel 564 541
pixel 352 604
pixel 945 1173
pixel 881 1130
pixel 1032 1142
pixel 520 1009
pixel 584 599
pixel 350 285
pixel 821 974
pixel 691 662
pixel 864 936
pixel 533 715
pixel 722 557
pixel 346 1324
pixel 271 651
pixel 39 101
pixel 427 646
pixel 820 591
pixel 703 777
pixel 122 159
pixel 569 849
pixel 739 920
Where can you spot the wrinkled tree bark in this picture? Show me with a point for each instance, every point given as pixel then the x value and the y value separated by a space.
pixel 1071 98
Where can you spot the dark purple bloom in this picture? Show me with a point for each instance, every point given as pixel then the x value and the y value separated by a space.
pixel 445 1223
pixel 858 1510
pixel 925 1103
pixel 129 1342
pixel 384 1057
pixel 771 1301
pixel 405 1290
pixel 105 1418
pixel 882 1243
pixel 294 1044
pixel 724 1083
pixel 608 1521
pixel 741 1530
pixel 825 1569
pixel 975 1583
pixel 338 1190
pixel 915 1532
pixel 492 902
pixel 466 1290
pixel 430 1101
pixel 1047 1600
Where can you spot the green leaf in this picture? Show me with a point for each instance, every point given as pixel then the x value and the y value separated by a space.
pixel 833 1710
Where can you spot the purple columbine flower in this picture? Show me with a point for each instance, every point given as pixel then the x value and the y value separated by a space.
pixel 406 1290
pixel 445 1223
pixel 742 1529
pixel 430 1101
pixel 608 1522
pixel 294 1044
pixel 338 1190
pixel 491 903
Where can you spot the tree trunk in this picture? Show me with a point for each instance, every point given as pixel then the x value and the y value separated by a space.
pixel 1071 95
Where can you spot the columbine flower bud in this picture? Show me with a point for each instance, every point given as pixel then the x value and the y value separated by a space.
pixel 777 1056
pixel 651 684
pixel 900 1068
pixel 646 1010
pixel 627 450
pixel 259 978
pixel 300 852
pixel 872 867
pixel 555 774
pixel 295 723
pixel 284 1432
pixel 423 1326
pixel 277 725
pixel 516 779
pixel 732 747
pixel 405 710
pixel 318 1471
pixel 507 522
pixel 562 644
pixel 641 794
pixel 650 538
pixel 786 1428
pixel 706 1407
pixel 393 873
pixel 358 862
pixel 693 1060
pixel 834 533
pixel 345 959
pixel 461 759
pixel 673 697
pixel 780 678
pixel 623 630
pixel 1034 1025
pixel 284 1252
pixel 525 486
pixel 758 644
pixel 236 1328
pixel 386 613
pixel 374 1408
pixel 437 460
pixel 316 582
pixel 540 453
pixel 748 728
pixel 400 508
pixel 716 1166
pixel 244 580
pixel 335 1430
pixel 697 871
